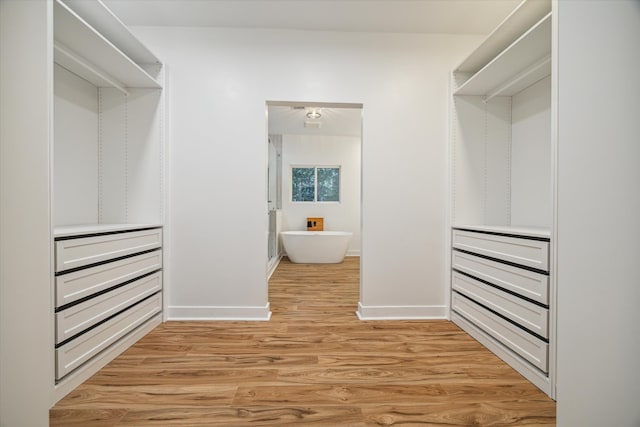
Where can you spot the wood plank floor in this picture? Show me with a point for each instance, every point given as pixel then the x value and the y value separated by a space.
pixel 314 363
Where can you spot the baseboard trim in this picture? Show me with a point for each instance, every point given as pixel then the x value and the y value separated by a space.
pixel 403 312
pixel 251 313
pixel 354 252
pixel 272 268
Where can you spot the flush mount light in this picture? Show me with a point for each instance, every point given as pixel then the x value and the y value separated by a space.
pixel 314 114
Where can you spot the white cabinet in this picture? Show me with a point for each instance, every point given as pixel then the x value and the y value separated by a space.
pixel 79 284
pixel 107 189
pixel 502 212
pixel 75 319
pixel 500 295
pixel 524 251
pixel 112 286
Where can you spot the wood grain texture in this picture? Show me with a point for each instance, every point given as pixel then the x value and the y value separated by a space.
pixel 314 364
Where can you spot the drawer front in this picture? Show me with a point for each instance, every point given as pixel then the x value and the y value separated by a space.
pixel 74 353
pixel 73 253
pixel 82 283
pixel 527 252
pixel 76 319
pixel 529 315
pixel 530 348
pixel 529 284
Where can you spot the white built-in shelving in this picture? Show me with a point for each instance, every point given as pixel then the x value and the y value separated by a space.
pixel 106 23
pixel 522 18
pixel 503 276
pixel 107 182
pixel 83 50
pixel 524 62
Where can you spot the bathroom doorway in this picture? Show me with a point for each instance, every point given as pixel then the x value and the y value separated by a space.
pixel 314 171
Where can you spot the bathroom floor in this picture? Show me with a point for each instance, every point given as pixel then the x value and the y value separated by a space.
pixel 314 363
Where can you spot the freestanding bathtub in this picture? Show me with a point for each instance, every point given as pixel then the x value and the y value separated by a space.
pixel 316 247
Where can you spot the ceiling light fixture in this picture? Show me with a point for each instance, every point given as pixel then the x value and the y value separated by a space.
pixel 314 114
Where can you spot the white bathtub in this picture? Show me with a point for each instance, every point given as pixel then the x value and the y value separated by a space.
pixel 316 247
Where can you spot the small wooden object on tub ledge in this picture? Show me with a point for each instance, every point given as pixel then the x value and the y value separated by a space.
pixel 315 224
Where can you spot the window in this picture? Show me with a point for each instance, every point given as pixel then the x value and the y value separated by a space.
pixel 315 184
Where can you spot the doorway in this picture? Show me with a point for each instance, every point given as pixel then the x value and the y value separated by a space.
pixel 314 170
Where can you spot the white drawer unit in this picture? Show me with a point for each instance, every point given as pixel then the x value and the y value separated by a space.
pixel 531 316
pixel 522 251
pixel 79 350
pixel 82 251
pixel 76 319
pixel 80 284
pixel 529 284
pixel 531 348
pixel 500 294
pixel 108 292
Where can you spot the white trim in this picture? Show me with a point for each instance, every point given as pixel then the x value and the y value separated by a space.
pixel 353 252
pixel 253 313
pixel 272 265
pixel 402 312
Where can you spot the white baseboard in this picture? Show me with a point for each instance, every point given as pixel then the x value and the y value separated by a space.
pixel 402 312
pixel 272 268
pixel 354 252
pixel 251 313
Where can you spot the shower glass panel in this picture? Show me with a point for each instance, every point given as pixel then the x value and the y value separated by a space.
pixel 274 183
pixel 272 247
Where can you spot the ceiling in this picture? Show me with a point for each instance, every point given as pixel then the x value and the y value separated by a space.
pixel 395 16
pixel 333 120
pixel 378 16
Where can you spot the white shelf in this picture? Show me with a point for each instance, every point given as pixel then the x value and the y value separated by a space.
pixel 523 17
pixel 82 229
pixel 524 62
pixel 100 17
pixel 525 231
pixel 85 52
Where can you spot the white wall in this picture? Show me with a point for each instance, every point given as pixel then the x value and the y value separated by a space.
pixel 530 156
pixel 219 80
pixel 317 150
pixel 76 150
pixel 107 153
pixel 598 234
pixel 26 332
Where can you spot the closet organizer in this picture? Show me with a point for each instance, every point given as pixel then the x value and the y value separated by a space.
pixel 107 190
pixel 502 272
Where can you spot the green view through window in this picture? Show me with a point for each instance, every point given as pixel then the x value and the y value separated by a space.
pixel 315 184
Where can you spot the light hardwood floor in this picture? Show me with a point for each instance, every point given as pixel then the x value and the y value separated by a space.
pixel 314 363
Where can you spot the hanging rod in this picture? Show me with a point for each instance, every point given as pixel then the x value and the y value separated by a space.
pixel 533 68
pixel 64 56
